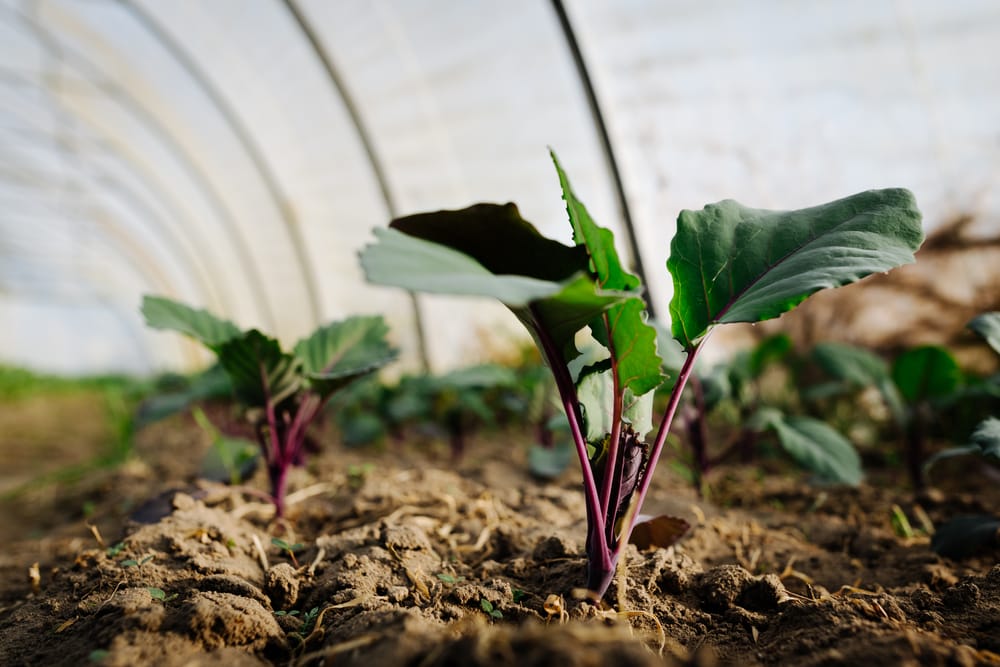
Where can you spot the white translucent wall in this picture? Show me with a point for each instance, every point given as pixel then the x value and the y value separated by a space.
pixel 235 154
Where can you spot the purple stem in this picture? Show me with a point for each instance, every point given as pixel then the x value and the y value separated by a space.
pixel 661 438
pixel 598 555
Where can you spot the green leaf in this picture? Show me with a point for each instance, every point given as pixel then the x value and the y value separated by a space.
pixel 623 328
pixel 987 437
pixel 203 326
pixel 965 535
pixel 550 462
pixel 851 364
pixel 483 376
pixel 566 312
pixel 816 447
pixel 562 307
pixel 260 371
pixel 499 239
pixel 340 352
pixel 228 460
pixel 987 325
pixel 157 593
pixel 925 373
pixel 595 391
pixel 406 261
pixel 731 263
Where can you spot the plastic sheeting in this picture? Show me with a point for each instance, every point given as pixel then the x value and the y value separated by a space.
pixel 235 154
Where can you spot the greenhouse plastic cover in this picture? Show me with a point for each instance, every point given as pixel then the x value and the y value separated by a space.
pixel 236 154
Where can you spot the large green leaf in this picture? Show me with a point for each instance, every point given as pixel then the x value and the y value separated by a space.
pixel 987 325
pixel 858 368
pixel 401 260
pixel 260 371
pixel 623 328
pixel 816 447
pixel 731 263
pixel 560 307
pixel 496 236
pixel 340 352
pixel 203 326
pixel 926 372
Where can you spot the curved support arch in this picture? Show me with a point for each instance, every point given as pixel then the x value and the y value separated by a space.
pixel 605 140
pixel 246 140
pixel 142 171
pixel 374 161
pixel 196 175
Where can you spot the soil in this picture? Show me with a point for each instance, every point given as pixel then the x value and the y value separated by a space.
pixel 407 559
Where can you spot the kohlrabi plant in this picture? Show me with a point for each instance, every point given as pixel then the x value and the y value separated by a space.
pixel 729 263
pixel 965 535
pixel 284 391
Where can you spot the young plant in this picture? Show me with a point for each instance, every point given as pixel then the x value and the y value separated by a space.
pixel 729 264
pixel 285 391
pixel 289 549
pixel 965 535
pixel 738 384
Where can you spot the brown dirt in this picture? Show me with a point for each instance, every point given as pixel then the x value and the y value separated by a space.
pixel 400 558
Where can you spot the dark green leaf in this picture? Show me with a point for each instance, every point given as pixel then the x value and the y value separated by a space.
pixel 926 372
pixel 965 535
pixel 499 239
pixel 854 365
pixel 259 370
pixel 566 312
pixel 623 328
pixel 560 307
pixel 817 447
pixel 406 261
pixel 731 263
pixel 987 325
pixel 339 353
pixel 478 377
pixel 203 326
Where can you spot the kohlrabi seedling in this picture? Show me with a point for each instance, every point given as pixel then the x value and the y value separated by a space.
pixel 285 391
pixel 737 384
pixel 729 264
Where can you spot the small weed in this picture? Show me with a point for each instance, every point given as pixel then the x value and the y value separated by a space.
pixel 309 621
pixel 116 549
pixel 131 562
pixel 98 655
pixel 159 594
pixel 518 595
pixel 488 607
pixel 290 549
pixel 449 578
pixel 900 523
pixel 357 473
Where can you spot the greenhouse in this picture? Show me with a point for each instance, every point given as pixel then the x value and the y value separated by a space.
pixel 541 332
